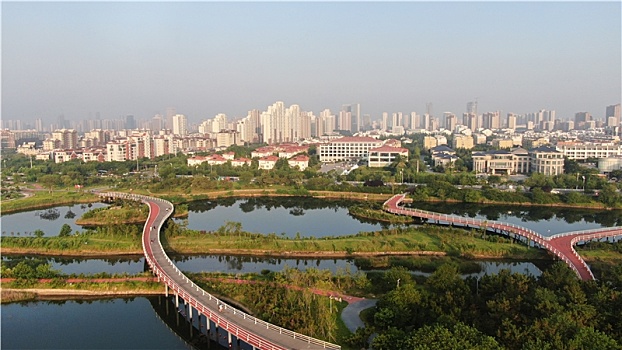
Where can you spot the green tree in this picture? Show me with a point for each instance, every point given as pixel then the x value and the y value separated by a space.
pixel 609 196
pixel 49 181
pixel 65 231
pixel 39 233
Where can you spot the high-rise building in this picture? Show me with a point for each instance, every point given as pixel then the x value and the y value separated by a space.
pixel 68 138
pixel 180 125
pixel 415 120
pixel 612 115
pixel 450 121
pixel 472 107
pixel 511 121
pixel 157 123
pixel 170 113
pixel 385 121
pixel 130 122
pixel 470 121
pixel 38 125
pixel 345 120
pixel 491 120
pixel 582 117
pixel 355 117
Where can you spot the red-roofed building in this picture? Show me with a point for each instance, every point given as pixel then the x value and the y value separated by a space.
pixel 300 161
pixel 268 162
pixel 385 155
pixel 229 155
pixel 197 160
pixel 290 151
pixel 263 152
pixel 241 162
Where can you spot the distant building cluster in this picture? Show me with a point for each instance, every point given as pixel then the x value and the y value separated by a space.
pixel 346 135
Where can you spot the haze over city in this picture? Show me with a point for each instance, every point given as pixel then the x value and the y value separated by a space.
pixel 202 58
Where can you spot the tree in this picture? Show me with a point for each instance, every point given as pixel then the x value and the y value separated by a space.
pixel 65 231
pixel 39 233
pixel 439 337
pixel 49 181
pixel 589 338
pixel 609 196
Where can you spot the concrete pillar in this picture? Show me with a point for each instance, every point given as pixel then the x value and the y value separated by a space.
pixel 176 300
pixel 229 338
pixel 166 290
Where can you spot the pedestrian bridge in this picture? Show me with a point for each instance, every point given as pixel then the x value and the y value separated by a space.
pixel 239 326
pixel 561 245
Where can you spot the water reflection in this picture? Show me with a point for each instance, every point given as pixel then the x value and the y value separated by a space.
pixel 49 220
pixel 545 220
pixel 250 264
pixel 86 324
pixel 285 216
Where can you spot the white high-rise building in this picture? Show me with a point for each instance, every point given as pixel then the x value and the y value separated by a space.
pixel 180 125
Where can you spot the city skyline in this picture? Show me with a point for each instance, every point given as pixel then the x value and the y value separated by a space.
pixel 118 59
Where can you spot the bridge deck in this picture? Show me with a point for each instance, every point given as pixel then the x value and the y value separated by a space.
pixel 561 245
pixel 249 329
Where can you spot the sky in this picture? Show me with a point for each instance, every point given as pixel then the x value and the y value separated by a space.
pixel 205 58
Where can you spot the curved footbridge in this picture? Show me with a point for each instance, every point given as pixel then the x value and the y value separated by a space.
pixel 238 325
pixel 561 245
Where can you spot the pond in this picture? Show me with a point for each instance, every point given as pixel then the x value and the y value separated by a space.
pixel 544 220
pixel 95 324
pixel 48 220
pixel 244 264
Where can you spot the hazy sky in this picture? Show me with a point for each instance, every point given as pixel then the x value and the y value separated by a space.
pixel 204 58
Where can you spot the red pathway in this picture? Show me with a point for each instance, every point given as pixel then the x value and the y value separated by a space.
pixel 562 245
pixel 254 331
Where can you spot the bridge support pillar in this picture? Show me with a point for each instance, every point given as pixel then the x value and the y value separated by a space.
pixel 207 325
pixel 229 339
pixel 166 290
pixel 176 300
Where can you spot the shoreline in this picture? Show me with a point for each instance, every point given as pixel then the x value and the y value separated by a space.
pixel 253 253
pixel 17 295
pixel 363 196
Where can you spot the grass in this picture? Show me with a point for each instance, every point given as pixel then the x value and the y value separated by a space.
pixel 44 199
pixel 451 241
pixel 115 215
pixel 86 245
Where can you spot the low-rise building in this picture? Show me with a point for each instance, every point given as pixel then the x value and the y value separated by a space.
pixel 347 148
pixel 511 162
pixel 546 160
pixel 584 150
pixel 267 163
pixel 462 141
pixel 301 161
pixel 385 155
pixel 241 162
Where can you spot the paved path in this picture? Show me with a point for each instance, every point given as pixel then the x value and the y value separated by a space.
pixel 351 313
pixel 561 245
pixel 251 330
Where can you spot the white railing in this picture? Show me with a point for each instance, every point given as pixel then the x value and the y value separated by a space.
pixel 392 205
pixel 241 333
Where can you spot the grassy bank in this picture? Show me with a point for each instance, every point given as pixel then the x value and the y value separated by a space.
pixel 424 240
pixel 66 287
pixel 99 244
pixel 44 199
